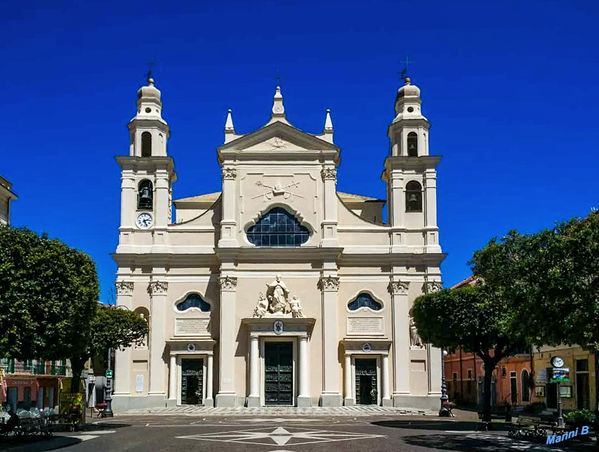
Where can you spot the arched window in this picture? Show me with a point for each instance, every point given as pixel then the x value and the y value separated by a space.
pixel 277 227
pixel 364 300
pixel 145 195
pixel 525 387
pixel 412 144
pixel 146 144
pixel 413 197
pixel 193 301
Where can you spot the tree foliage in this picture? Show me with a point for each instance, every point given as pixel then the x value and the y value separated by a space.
pixel 116 328
pixel 473 318
pixel 48 294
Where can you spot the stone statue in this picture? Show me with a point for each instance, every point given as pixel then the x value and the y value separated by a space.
pixel 296 309
pixel 262 307
pixel 415 340
pixel 277 296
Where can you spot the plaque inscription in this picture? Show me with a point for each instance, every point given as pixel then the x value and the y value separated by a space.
pixel 365 325
pixel 191 327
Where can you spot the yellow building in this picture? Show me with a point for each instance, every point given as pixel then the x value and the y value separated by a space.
pixel 577 393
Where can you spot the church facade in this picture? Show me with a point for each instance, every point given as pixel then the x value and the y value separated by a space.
pixel 277 290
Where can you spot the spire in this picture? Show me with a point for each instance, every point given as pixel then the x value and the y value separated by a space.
pixel 278 109
pixel 229 122
pixel 229 128
pixel 328 124
pixel 327 134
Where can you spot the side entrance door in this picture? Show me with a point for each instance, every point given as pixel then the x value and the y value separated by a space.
pixel 192 381
pixel 278 373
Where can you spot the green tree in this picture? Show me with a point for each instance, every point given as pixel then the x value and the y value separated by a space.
pixel 473 318
pixel 48 297
pixel 552 279
pixel 116 328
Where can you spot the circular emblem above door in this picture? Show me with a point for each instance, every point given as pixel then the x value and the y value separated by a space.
pixel 366 347
pixel 277 327
pixel 191 347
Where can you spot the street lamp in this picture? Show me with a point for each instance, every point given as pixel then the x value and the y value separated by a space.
pixel 443 411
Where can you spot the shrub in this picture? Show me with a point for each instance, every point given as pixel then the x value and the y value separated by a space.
pixel 579 417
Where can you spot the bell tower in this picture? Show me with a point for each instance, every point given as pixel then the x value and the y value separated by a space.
pixel 411 177
pixel 148 171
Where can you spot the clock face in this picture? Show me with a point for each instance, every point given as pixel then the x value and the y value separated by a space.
pixel 144 220
pixel 557 361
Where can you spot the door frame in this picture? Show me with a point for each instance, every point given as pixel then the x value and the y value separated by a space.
pixel 293 340
pixel 377 358
pixel 180 358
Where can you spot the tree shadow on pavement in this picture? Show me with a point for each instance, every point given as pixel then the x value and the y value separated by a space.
pixel 441 425
pixel 36 443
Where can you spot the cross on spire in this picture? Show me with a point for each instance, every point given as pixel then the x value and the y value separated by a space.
pixel 278 77
pixel 148 74
pixel 404 72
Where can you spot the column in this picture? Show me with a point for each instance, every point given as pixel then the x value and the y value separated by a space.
pixel 161 201
pixel 158 295
pixel 226 396
pixel 349 396
pixel 229 208
pixel 385 381
pixel 254 396
pixel 401 341
pixel 128 199
pixel 122 358
pixel 172 391
pixel 209 383
pixel 303 397
pixel 331 395
pixel 329 222
pixel 430 209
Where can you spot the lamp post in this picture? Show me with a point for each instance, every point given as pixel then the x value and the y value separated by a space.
pixel 108 398
pixel 443 411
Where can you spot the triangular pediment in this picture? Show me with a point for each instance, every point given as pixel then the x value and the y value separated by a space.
pixel 278 137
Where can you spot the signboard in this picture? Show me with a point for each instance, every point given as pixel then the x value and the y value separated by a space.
pixel 560 375
pixel 108 373
pixel 542 376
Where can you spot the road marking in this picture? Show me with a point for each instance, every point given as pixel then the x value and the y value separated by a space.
pixel 82 437
pixel 293 436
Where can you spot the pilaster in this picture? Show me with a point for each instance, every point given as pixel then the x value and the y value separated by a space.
pixel 228 237
pixel 401 338
pixel 158 369
pixel 331 394
pixel 329 223
pixel 226 396
pixel 122 365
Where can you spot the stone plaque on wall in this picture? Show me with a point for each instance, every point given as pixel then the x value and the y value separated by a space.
pixel 365 326
pixel 191 327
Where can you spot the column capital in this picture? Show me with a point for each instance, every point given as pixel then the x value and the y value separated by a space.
pixel 157 288
pixel 328 174
pixel 228 283
pixel 329 283
pixel 432 286
pixel 124 288
pixel 398 288
pixel 229 172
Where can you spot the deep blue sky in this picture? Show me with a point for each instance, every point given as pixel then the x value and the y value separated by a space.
pixel 510 88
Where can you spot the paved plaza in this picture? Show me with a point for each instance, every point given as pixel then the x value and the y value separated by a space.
pixel 284 433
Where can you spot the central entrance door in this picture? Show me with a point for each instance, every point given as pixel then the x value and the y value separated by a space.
pixel 366 393
pixel 192 381
pixel 278 373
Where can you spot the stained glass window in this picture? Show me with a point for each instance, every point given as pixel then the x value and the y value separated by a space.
pixel 364 301
pixel 193 301
pixel 278 228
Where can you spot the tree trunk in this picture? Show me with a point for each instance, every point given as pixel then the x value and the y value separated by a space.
pixel 77 365
pixel 489 367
